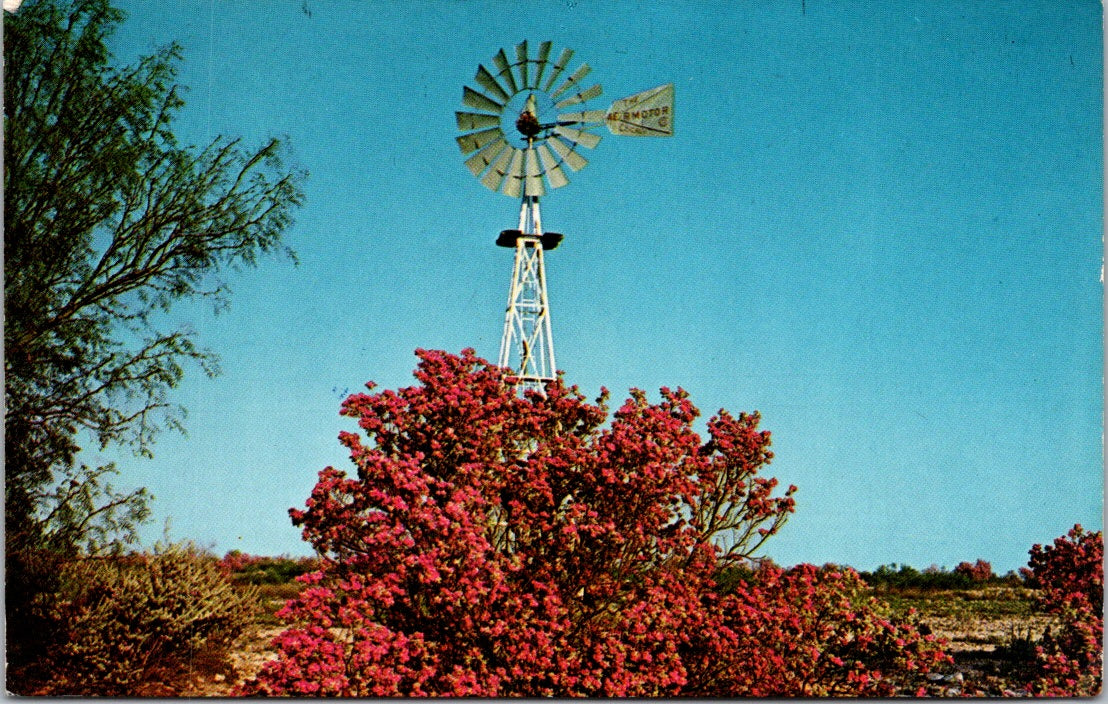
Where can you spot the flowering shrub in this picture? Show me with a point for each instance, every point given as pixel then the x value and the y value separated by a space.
pixel 813 632
pixel 980 571
pixel 493 545
pixel 1070 577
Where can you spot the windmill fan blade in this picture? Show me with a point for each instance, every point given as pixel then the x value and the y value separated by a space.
pixel 550 167
pixel 489 83
pixel 485 156
pixel 587 139
pixel 521 63
pixel 531 163
pixel 571 81
pixel 514 178
pixel 572 159
pixel 475 120
pixel 559 66
pixel 495 175
pixel 476 140
pixel 581 97
pixel 478 101
pixel 540 62
pixel 533 174
pixel 504 70
pixel 534 187
pixel 590 117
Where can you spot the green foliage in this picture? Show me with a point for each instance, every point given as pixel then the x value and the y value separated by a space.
pixel 276 572
pixel 1001 602
pixel 734 575
pixel 108 221
pixel 122 624
pixel 908 577
pixel 258 570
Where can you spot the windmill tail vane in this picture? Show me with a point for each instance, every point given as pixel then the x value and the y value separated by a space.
pixel 518 140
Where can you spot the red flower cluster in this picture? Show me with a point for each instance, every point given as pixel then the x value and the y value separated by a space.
pixel 1070 577
pixel 494 545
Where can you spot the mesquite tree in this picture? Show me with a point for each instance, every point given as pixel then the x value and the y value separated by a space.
pixel 495 545
pixel 108 222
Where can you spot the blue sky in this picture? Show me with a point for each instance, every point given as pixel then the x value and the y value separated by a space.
pixel 878 224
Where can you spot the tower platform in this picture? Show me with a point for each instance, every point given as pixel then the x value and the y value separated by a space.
pixel 550 240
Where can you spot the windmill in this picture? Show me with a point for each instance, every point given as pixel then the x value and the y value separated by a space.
pixel 520 139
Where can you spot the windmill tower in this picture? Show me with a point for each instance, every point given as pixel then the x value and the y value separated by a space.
pixel 519 140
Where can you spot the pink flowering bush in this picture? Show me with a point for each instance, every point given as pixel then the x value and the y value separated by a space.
pixel 493 545
pixel 813 632
pixel 980 571
pixel 1070 577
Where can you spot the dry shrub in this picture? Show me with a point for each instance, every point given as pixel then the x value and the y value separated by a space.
pixel 130 623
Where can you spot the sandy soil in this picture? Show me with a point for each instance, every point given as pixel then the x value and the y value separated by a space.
pixel 251 650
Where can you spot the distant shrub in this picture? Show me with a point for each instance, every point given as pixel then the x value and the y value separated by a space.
pixel 908 577
pixel 980 571
pixel 1070 577
pixel 244 568
pixel 131 622
pixel 740 572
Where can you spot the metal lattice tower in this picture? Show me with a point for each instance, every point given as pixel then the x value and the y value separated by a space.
pixel 527 345
pixel 518 140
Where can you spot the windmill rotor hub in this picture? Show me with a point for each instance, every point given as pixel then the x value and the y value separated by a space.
pixel 528 125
